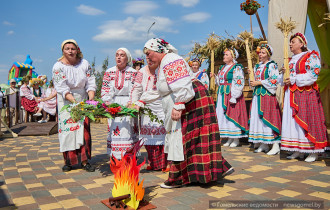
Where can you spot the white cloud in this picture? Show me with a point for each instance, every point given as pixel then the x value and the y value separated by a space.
pixel 184 3
pixel 133 30
pixel 140 7
pixel 137 53
pixel 197 17
pixel 10 32
pixel 7 23
pixel 88 10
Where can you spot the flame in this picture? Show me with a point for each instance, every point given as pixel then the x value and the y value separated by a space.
pixel 126 173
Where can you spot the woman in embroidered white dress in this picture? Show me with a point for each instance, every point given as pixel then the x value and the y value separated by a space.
pixel 303 126
pixel 192 141
pixel 145 94
pixel 201 75
pixel 231 107
pixel 116 87
pixel 48 102
pixel 74 81
pixel 265 117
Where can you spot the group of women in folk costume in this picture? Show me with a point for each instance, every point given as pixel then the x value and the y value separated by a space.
pixel 303 129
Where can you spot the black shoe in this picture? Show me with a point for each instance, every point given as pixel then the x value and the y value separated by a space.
pixel 88 167
pixel 66 168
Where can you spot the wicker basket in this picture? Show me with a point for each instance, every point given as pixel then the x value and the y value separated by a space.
pixel 250 11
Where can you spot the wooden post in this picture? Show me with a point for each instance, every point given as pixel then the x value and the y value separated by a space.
pixel 260 25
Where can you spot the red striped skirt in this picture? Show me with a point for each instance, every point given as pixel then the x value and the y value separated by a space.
pixel 29 105
pixel 201 142
pixel 156 156
pixel 236 113
pixel 270 113
pixel 308 112
pixel 84 153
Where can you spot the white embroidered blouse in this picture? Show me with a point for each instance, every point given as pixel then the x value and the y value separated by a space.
pixel 144 90
pixel 237 83
pixel 313 66
pixel 271 82
pixel 67 77
pixel 174 78
pixel 117 83
pixel 26 92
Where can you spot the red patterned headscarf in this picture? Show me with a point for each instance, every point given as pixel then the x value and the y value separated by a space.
pixel 160 46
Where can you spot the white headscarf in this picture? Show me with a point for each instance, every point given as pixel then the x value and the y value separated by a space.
pixel 160 46
pixel 79 53
pixel 128 54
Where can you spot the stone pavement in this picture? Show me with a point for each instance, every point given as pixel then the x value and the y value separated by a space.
pixel 31 178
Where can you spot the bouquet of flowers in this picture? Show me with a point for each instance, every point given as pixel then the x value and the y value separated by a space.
pixel 250 5
pixel 98 109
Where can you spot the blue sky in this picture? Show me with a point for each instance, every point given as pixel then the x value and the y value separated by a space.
pixel 37 27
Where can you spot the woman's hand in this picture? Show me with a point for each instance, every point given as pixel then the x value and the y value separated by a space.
pixel 287 81
pixel 255 83
pixel 282 70
pixel 212 74
pixel 249 71
pixel 176 114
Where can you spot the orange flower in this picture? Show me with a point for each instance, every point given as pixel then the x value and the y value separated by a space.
pixel 317 71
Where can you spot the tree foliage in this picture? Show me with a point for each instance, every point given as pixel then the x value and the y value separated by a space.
pixel 99 77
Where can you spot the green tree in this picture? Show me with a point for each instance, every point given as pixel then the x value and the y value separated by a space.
pixel 99 77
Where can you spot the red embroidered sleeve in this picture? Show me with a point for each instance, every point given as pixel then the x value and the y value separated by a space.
pixel 175 70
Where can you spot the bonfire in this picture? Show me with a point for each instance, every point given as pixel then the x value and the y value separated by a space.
pixel 127 183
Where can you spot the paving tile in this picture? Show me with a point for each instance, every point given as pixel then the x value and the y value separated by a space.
pixel 71 203
pixel 21 201
pixel 40 193
pixel 34 166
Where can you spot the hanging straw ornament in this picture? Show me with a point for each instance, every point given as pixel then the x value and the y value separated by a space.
pixel 286 27
pixel 247 37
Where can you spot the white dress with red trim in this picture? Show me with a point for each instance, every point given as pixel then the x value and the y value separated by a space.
pixel 122 131
pixel 303 126
pixel 201 75
pixel 265 117
pixel 145 94
pixel 176 89
pixel 231 108
pixel 49 106
pixel 77 80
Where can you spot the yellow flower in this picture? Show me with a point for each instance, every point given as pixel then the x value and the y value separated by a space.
pixel 82 109
pixel 93 110
pixel 82 103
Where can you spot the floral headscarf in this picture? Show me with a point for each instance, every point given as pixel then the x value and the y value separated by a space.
pixel 301 37
pixel 160 46
pixel 268 48
pixel 79 53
